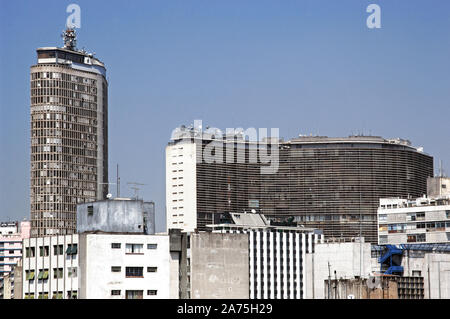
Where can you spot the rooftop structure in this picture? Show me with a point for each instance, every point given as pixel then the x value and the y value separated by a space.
pixel 118 215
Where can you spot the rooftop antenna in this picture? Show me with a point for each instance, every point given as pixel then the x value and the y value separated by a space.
pixel 441 170
pixel 70 39
pixel 135 188
pixel 118 182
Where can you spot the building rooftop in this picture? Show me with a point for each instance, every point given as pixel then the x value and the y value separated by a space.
pixel 255 221
pixel 396 203
pixel 192 132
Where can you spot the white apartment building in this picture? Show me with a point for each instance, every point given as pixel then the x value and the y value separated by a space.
pixel 124 266
pixel 11 236
pixel 50 267
pixel 277 255
pixel 422 220
pixel 97 266
pixel 181 192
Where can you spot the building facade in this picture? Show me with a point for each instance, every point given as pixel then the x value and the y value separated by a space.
pixel 333 184
pixel 96 266
pixel 124 266
pixel 50 267
pixel 405 221
pixel 11 236
pixel 69 136
pixel 277 254
pixel 342 260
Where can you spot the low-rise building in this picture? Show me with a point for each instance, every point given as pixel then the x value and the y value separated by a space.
pixel 406 221
pixel 124 266
pixel 11 236
pixel 115 254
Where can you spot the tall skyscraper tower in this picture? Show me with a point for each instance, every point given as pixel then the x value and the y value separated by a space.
pixel 69 135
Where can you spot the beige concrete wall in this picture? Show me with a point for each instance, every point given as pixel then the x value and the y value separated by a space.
pixel 379 288
pixel 219 266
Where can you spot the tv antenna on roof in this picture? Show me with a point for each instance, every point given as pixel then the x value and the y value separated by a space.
pixel 135 188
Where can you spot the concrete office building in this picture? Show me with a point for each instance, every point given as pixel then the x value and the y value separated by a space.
pixel 277 254
pixel 69 135
pixel 333 184
pixel 11 236
pixel 209 265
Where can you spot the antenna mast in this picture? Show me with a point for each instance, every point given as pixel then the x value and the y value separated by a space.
pixel 70 39
pixel 135 188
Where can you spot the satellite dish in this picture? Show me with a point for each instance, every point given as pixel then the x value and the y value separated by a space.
pixel 374 282
pixel 109 196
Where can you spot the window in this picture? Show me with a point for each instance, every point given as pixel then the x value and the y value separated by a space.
pixel 57 273
pixel 57 295
pixel 29 274
pixel 152 292
pixel 72 249
pixel 134 249
pixel 90 210
pixel 72 272
pixel 115 292
pixel 29 295
pixel 152 246
pixel 383 240
pixel 116 268
pixel 43 274
pixel 43 295
pixel 131 272
pixel 58 250
pixel 152 269
pixel 134 294
pixel 72 294
pixel 115 245
pixel 29 252
pixel 43 251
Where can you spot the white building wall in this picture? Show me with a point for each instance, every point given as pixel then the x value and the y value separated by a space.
pixel 181 186
pixel 100 280
pixel 344 258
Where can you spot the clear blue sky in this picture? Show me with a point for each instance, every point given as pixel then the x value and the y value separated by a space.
pixel 302 66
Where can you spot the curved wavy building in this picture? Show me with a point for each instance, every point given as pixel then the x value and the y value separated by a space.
pixel 69 136
pixel 333 184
